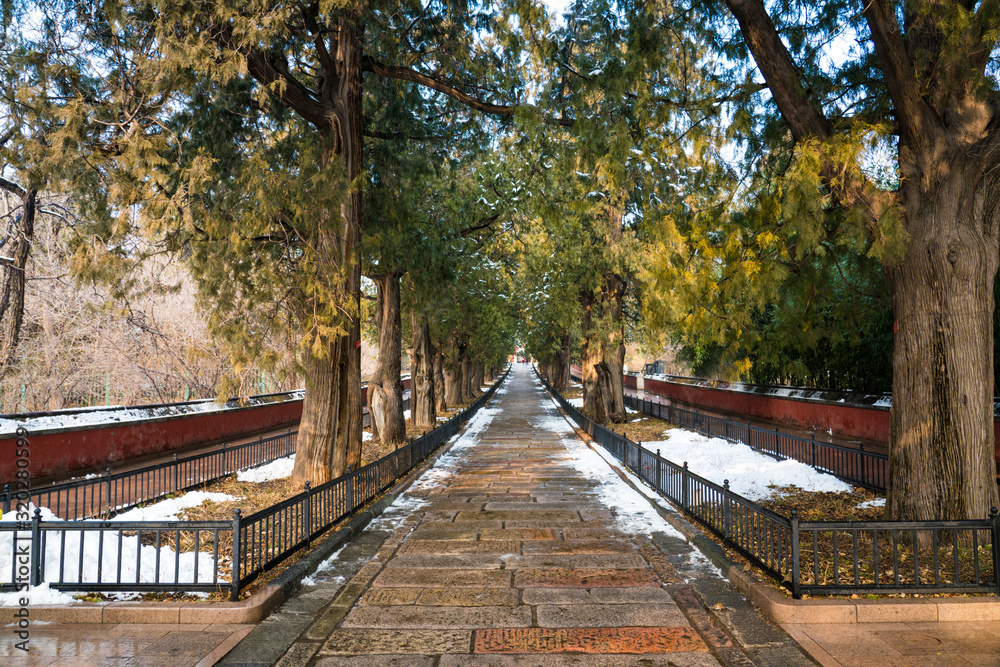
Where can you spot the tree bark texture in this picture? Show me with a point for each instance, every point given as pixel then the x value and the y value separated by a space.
pixel 560 378
pixel 440 403
pixel 466 381
pixel 18 247
pixel 329 439
pixel 602 395
pixel 385 389
pixel 423 409
pixel 452 373
pixel 478 373
pixel 942 451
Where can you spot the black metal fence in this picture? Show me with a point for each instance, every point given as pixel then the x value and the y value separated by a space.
pixel 81 555
pixel 114 492
pixel 819 557
pixel 854 465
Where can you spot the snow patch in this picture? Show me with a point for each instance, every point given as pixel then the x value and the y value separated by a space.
pixel 277 469
pixel 750 474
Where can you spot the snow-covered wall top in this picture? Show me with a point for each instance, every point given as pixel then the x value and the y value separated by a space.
pixel 82 418
pixel 854 398
pixel 800 393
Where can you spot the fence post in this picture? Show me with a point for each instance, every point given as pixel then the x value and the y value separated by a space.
pixel 725 424
pixel 861 448
pixel 350 490
pixel 995 530
pixel 812 446
pixel 6 498
pixel 727 512
pixel 776 452
pixel 225 462
pixel 107 479
pixel 36 575
pixel 308 514
pixel 794 565
pixel 177 475
pixel 234 585
pixel 659 472
pixel 685 494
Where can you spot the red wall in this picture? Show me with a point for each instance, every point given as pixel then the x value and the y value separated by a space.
pixel 54 452
pixel 870 423
pixel 62 451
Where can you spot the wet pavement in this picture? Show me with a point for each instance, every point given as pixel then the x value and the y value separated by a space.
pixel 100 645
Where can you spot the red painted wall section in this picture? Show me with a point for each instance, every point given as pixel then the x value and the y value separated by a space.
pixel 857 422
pixel 870 423
pixel 65 450
pixel 60 451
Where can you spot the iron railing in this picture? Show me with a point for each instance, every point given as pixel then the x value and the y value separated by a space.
pixel 114 492
pixel 819 557
pixel 854 465
pixel 200 555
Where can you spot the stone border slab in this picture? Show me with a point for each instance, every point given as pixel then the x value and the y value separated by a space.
pixel 782 609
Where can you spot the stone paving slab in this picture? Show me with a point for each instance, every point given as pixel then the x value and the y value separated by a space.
pixel 415 616
pixel 589 640
pixel 365 641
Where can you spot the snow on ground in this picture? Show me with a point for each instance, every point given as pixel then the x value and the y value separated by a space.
pixel 406 414
pixel 878 502
pixel 633 513
pixel 100 557
pixel 277 469
pixel 750 473
pixel 366 436
pixel 575 402
pixel 323 567
pixel 167 510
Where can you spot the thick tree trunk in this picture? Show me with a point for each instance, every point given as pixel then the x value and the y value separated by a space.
pixel 466 381
pixel 452 373
pixel 440 403
pixel 477 378
pixel 942 452
pixel 603 398
pixel 329 439
pixel 423 412
pixel 560 368
pixel 12 302
pixel 385 390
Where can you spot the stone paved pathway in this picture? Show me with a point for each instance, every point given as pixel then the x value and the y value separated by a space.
pixel 513 558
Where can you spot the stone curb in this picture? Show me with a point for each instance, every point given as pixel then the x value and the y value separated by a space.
pixel 783 610
pixel 252 610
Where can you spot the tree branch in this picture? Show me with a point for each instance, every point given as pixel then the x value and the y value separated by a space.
pixel 482 224
pixel 804 118
pixel 915 118
pixel 267 72
pixel 12 187
pixel 407 74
